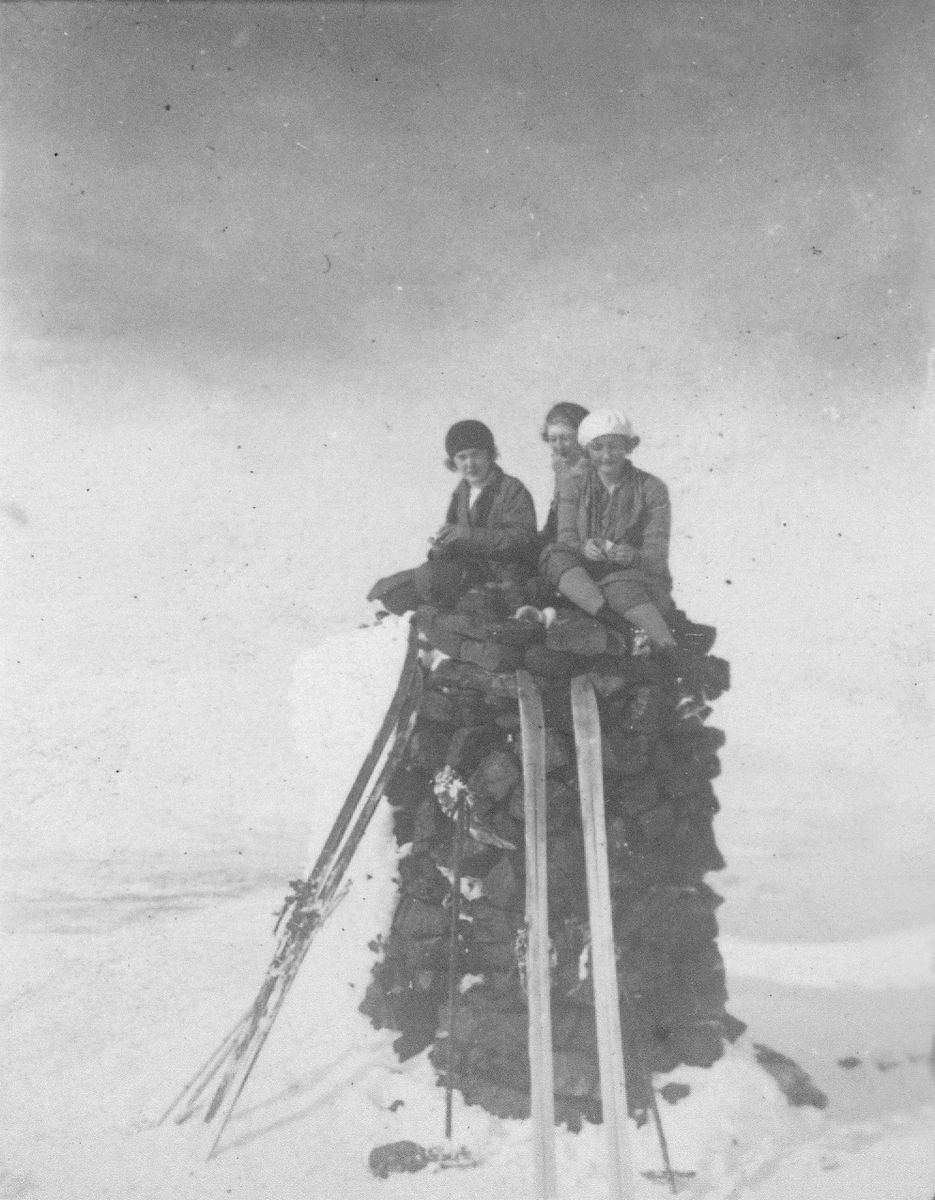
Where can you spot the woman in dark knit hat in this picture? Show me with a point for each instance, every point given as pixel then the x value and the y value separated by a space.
pixel 489 534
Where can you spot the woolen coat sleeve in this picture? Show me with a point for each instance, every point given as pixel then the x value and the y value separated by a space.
pixel 550 528
pixel 653 554
pixel 510 531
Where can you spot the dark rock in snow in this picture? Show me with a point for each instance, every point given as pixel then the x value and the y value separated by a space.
pixel 397 1157
pixel 576 1074
pixel 485 603
pixel 697 638
pixel 429 744
pixel 432 626
pixel 562 803
pixel 495 777
pixel 491 656
pixel 471 625
pixel 715 676
pixel 733 1027
pixel 553 664
pixel 794 1081
pixel 519 634
pixel 626 754
pixel 437 706
pixel 635 795
pixel 500 883
pixel 457 675
pixel 467 747
pixel 492 924
pixel 579 635
pixel 417 920
pixel 633 670
pixel 419 877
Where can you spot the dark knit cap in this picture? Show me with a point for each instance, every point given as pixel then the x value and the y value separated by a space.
pixel 469 435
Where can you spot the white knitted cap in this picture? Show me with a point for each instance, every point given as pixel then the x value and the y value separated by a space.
pixel 602 422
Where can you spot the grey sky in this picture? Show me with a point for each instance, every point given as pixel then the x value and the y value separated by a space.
pixel 676 194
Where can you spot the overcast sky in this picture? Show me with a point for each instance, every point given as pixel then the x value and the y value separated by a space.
pixel 257 257
pixel 543 197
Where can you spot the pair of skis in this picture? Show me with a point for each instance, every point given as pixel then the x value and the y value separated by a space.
pixel 218 1085
pixel 603 957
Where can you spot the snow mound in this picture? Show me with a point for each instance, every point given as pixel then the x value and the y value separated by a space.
pixel 340 693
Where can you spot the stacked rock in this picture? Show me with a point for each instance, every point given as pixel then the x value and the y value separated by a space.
pixel 659 760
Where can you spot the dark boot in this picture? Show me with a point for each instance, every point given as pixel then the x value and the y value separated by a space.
pixel 618 622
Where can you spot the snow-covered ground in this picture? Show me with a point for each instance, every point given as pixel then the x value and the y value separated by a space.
pixel 257 257
pixel 111 1004
pixel 101 1029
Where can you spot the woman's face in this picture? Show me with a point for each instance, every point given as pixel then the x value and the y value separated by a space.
pixel 609 455
pixel 473 465
pixel 563 440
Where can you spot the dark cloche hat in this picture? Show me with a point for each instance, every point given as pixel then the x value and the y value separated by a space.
pixel 469 435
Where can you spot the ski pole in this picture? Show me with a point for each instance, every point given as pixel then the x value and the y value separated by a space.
pixel 199 1081
pixel 460 814
pixel 648 1081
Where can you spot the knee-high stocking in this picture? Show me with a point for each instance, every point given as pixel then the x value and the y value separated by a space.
pixel 649 619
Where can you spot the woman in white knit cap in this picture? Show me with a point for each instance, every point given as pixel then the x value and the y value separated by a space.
pixel 611 552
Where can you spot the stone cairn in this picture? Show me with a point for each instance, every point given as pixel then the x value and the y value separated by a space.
pixel 659 760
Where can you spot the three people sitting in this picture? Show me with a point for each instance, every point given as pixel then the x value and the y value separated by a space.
pixel 607 536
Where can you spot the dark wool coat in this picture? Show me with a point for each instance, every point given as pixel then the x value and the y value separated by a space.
pixel 501 526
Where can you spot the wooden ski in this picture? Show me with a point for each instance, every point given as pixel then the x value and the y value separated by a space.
pixel 538 976
pixel 603 956
pixel 226 1072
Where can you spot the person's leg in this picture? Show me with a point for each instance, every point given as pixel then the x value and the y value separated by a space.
pixel 577 586
pixel 649 619
pixel 629 598
pixel 539 592
pixel 397 593
pixel 440 582
pixel 401 599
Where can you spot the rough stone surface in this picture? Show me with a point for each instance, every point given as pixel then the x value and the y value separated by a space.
pixel 659 759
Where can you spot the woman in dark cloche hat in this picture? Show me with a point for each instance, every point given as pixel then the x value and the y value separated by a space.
pixel 488 536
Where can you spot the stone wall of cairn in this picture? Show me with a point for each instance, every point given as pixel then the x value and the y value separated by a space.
pixel 659 759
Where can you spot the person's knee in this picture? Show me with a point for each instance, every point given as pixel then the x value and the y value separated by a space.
pixel 623 595
pixel 440 583
pixel 555 561
pixel 427 579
